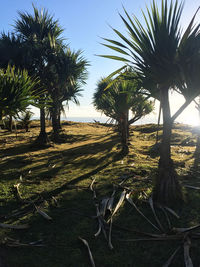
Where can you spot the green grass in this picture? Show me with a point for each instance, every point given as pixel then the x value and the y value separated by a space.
pixel 65 171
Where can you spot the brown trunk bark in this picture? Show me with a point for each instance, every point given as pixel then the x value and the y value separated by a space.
pixel 42 138
pixel 10 123
pixel 167 189
pixel 159 115
pixel 55 120
pixel 197 150
pixel 124 137
pixel 59 122
pixel 127 119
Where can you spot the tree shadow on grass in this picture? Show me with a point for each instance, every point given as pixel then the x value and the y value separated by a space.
pixel 30 147
pixel 73 218
pixel 83 157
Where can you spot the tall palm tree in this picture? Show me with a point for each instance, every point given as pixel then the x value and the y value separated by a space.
pixel 67 73
pixel 41 33
pixel 122 96
pixel 156 52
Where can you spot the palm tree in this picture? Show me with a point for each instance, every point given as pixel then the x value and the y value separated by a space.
pixel 66 73
pixel 11 51
pixel 16 92
pixel 160 55
pixel 122 96
pixel 40 33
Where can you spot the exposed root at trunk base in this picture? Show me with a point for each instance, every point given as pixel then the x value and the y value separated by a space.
pixel 167 189
pixel 42 140
pixel 125 150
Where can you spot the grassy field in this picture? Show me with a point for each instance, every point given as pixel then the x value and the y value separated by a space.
pixel 55 181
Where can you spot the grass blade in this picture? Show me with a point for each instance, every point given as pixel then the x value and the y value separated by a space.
pixel 184 230
pixel 89 251
pixel 10 226
pixel 188 260
pixel 92 189
pixel 172 212
pixel 133 204
pixel 104 204
pixel 17 192
pixel 98 216
pixel 169 261
pixel 110 202
pixel 121 199
pixel 167 217
pixel 44 214
pixel 154 213
pixel 192 187
pixel 109 237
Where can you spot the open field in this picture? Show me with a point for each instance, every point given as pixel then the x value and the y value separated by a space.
pixel 56 180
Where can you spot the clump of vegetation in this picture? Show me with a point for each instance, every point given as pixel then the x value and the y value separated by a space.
pixel 116 101
pixel 25 119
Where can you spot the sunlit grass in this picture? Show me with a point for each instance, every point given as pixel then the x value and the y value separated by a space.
pixel 65 171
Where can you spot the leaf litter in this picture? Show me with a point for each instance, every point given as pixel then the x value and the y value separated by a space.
pixel 106 214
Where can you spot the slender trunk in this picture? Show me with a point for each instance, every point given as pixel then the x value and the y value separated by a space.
pixel 123 129
pixel 42 138
pixel 167 188
pixel 159 115
pixel 10 123
pixel 58 122
pixel 26 127
pixel 127 124
pixel 55 119
pixel 197 150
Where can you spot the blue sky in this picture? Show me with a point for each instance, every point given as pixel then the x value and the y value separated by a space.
pixel 85 21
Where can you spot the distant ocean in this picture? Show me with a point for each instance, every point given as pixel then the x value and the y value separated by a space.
pixel 101 120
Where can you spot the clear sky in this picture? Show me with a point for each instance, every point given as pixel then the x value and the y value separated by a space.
pixel 85 21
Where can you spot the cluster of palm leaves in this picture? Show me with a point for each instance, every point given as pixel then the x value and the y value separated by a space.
pixel 16 91
pixel 37 45
pixel 165 58
pixel 122 96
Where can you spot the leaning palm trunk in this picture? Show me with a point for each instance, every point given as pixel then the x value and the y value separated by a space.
pixel 167 188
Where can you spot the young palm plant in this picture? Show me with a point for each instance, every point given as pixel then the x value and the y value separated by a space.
pixel 16 92
pixel 122 96
pixel 159 53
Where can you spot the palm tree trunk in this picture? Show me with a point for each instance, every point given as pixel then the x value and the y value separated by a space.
pixel 10 123
pixel 55 119
pixel 123 128
pixel 159 115
pixel 42 138
pixel 167 188
pixel 58 121
pixel 127 124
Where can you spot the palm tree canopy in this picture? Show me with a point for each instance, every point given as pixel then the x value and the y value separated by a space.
pixel 38 27
pixel 16 91
pixel 122 96
pixel 12 50
pixel 66 74
pixel 41 34
pixel 153 49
